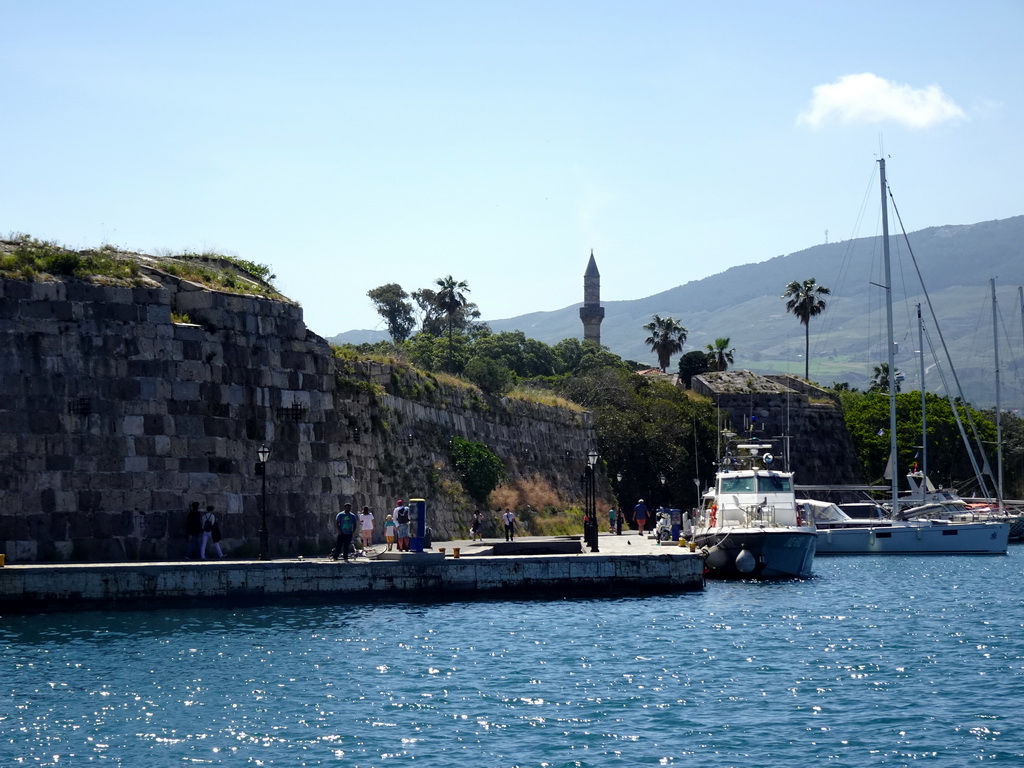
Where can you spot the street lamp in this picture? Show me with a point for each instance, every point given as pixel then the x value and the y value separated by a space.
pixel 590 522
pixel 622 511
pixel 263 453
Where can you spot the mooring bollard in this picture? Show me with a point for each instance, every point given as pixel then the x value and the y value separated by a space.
pixel 441 550
pixel 455 552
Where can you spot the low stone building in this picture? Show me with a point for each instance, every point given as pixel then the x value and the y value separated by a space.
pixel 804 422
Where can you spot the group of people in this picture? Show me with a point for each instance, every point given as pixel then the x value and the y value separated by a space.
pixel 202 528
pixel 508 522
pixel 396 529
pixel 640 514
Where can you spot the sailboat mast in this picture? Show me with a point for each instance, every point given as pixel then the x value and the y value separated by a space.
pixel 999 410
pixel 924 408
pixel 891 342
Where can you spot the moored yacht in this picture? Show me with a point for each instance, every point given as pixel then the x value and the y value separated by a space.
pixel 750 526
pixel 840 534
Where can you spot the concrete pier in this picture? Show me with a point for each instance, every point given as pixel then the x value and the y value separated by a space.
pixel 625 565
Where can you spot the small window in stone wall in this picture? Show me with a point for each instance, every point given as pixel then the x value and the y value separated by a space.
pixel 294 412
pixel 80 406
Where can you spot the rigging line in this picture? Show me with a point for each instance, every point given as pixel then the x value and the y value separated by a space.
pixel 978 472
pixel 845 263
pixel 910 323
pixel 1009 345
pixel 935 321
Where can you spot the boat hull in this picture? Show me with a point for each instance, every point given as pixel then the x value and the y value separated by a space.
pixel 934 538
pixel 753 553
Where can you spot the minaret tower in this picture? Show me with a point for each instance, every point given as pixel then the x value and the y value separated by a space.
pixel 592 313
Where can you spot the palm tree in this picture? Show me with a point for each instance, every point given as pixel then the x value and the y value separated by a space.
pixel 880 378
pixel 666 339
pixel 719 357
pixel 805 301
pixel 450 299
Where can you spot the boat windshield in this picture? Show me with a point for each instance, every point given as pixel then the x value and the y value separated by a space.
pixel 773 484
pixel 738 484
pixel 757 484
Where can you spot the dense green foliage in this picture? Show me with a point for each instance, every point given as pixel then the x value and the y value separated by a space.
pixel 949 464
pixel 692 364
pixel 481 470
pixel 647 430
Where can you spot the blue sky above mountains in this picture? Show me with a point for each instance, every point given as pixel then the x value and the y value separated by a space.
pixel 351 144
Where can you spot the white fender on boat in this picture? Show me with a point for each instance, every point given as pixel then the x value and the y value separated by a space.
pixel 745 562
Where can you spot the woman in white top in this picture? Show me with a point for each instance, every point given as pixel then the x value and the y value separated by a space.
pixel 366 524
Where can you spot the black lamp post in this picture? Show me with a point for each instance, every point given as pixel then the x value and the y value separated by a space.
pixel 662 478
pixel 590 525
pixel 618 517
pixel 261 469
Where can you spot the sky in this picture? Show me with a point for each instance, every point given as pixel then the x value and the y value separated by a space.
pixel 352 144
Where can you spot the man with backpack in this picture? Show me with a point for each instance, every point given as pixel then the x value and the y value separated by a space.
pixel 211 532
pixel 346 522
pixel 401 518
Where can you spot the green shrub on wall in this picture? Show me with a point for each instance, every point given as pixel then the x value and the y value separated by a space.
pixel 481 470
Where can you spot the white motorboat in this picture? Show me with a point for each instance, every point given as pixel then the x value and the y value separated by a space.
pixel 750 526
pixel 840 534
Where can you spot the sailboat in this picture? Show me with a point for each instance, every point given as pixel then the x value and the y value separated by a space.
pixel 923 534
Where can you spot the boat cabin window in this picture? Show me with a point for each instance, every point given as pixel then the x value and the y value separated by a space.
pixel 773 484
pixel 738 484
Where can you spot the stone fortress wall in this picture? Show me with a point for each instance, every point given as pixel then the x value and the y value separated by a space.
pixel 767 407
pixel 113 418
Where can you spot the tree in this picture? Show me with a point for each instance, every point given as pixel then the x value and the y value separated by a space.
pixel 574 356
pixel 666 338
pixel 692 364
pixel 805 300
pixel 492 376
pixel 880 378
pixel 719 356
pixel 392 303
pixel 451 298
pixel 480 468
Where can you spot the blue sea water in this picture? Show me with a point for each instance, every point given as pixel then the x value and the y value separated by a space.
pixel 873 661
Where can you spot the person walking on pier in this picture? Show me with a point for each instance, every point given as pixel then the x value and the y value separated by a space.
pixel 476 527
pixel 346 522
pixel 509 519
pixel 366 526
pixel 209 528
pixel 401 518
pixel 640 516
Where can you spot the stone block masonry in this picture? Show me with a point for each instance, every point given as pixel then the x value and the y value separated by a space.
pixel 113 418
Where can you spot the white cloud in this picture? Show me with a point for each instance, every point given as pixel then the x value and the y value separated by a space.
pixel 868 98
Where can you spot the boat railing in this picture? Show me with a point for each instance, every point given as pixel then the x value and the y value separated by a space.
pixel 757 515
